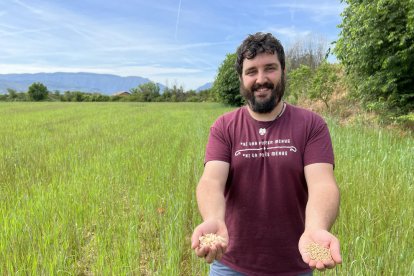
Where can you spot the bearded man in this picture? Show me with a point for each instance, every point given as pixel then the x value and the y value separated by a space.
pixel 268 186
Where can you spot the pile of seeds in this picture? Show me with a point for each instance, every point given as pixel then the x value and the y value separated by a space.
pixel 210 239
pixel 318 253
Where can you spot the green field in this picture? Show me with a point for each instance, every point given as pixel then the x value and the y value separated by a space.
pixel 109 189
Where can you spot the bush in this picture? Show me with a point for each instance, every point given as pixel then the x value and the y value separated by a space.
pixel 226 86
pixel 376 46
pixel 324 82
pixel 37 91
pixel 299 81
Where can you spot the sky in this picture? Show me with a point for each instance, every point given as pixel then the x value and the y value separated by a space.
pixel 172 42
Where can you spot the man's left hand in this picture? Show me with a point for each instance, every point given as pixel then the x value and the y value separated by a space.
pixel 325 239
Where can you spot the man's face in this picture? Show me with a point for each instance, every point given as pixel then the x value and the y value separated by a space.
pixel 262 82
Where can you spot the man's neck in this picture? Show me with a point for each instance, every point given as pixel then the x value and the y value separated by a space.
pixel 267 117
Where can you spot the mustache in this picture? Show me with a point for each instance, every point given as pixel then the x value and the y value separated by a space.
pixel 267 85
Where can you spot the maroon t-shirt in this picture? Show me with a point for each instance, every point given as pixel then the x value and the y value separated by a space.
pixel 266 191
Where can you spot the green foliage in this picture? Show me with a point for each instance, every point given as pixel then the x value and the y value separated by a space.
pixel 324 82
pixel 146 92
pixel 77 96
pixel 206 95
pixel 406 120
pixel 174 94
pixel 37 91
pixel 317 84
pixel 376 46
pixel 12 94
pixel 299 81
pixel 226 86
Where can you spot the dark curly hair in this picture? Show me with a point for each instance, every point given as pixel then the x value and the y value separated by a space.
pixel 257 44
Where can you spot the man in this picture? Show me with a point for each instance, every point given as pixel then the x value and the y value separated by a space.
pixel 268 186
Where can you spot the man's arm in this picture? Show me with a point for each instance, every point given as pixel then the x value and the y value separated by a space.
pixel 210 190
pixel 212 206
pixel 323 202
pixel 321 211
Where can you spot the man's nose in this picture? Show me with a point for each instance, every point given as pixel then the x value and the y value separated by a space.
pixel 261 77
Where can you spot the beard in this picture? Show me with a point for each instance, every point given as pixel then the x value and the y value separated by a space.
pixel 267 105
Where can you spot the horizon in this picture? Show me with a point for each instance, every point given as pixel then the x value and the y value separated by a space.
pixel 183 44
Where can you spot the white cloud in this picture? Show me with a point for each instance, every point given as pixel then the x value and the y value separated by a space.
pixel 321 11
pixel 13 31
pixel 29 8
pixel 288 33
pixel 325 7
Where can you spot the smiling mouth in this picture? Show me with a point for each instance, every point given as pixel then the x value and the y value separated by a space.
pixel 262 92
pixel 262 88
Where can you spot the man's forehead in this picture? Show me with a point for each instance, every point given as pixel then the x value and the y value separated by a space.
pixel 263 58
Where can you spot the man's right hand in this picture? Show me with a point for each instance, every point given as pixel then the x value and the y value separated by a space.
pixel 216 251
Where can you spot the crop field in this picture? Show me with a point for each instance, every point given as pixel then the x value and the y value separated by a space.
pixel 109 189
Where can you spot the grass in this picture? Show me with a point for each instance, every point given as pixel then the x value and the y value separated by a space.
pixel 108 188
pixel 374 169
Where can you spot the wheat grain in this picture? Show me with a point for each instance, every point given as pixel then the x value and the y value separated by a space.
pixel 210 240
pixel 318 253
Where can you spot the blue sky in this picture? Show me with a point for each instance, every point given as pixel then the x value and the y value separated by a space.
pixel 179 42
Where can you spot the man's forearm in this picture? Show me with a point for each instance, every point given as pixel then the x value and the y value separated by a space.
pixel 322 208
pixel 211 201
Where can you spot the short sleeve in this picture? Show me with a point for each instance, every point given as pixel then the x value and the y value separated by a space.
pixel 318 147
pixel 218 145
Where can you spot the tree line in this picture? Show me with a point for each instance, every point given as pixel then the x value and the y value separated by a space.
pixel 376 48
pixel 147 92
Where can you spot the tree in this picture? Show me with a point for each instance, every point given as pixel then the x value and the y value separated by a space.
pixel 166 96
pixel 299 82
pixel 226 86
pixel 192 96
pixel 37 91
pixel 206 95
pixel 176 92
pixel 324 82
pixel 12 94
pixel 310 51
pixel 146 92
pixel 78 96
pixel 376 46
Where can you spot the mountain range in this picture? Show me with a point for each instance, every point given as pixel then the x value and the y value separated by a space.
pixel 205 87
pixel 84 82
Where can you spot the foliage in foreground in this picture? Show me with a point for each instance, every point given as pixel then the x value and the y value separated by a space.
pixel 376 46
pixel 226 86
pixel 318 84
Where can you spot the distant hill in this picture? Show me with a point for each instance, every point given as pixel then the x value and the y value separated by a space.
pixel 205 86
pixel 84 82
